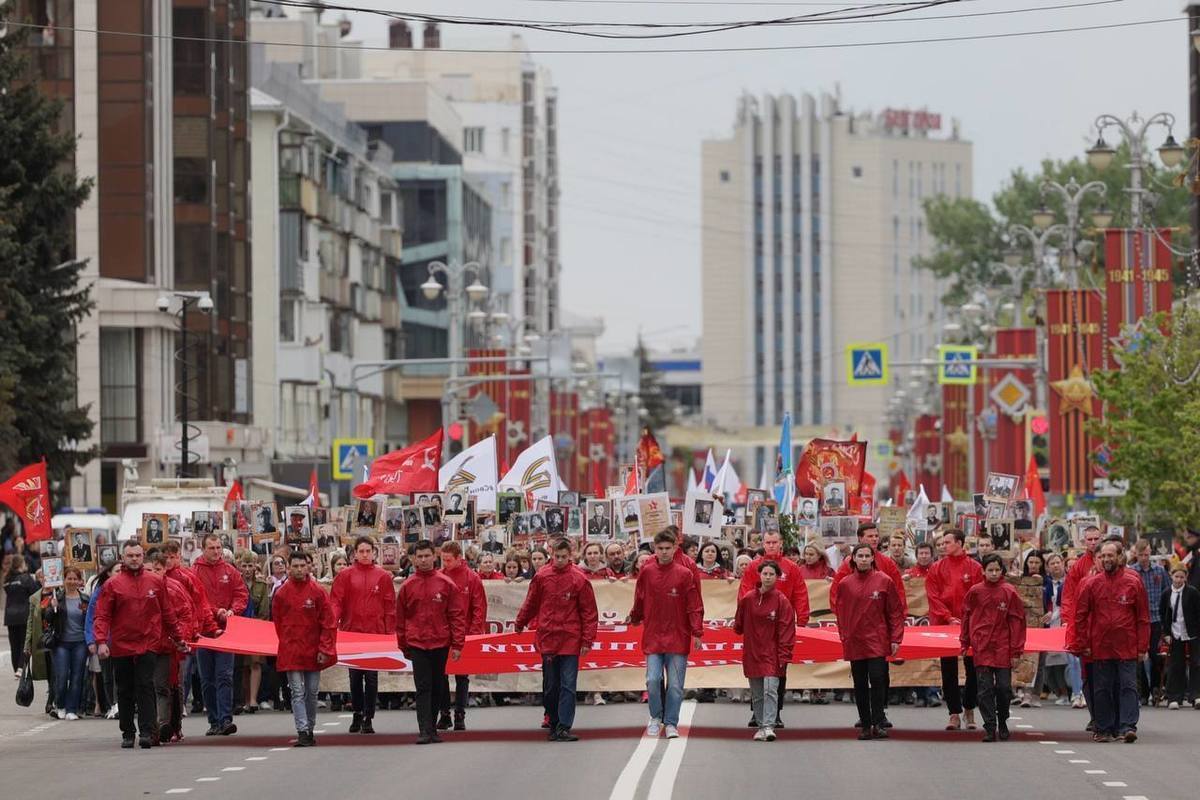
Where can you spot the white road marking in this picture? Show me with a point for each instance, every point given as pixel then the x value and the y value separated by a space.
pixel 1095 772
pixel 1115 784
pixel 207 780
pixel 1064 752
pixel 1078 761
pixel 1024 726
pixel 178 791
pixel 664 779
pixel 1016 718
pixel 257 758
pixel 233 769
pixel 345 716
pixel 1135 797
pixel 1047 742
pixel 627 781
pixel 279 749
pixel 331 724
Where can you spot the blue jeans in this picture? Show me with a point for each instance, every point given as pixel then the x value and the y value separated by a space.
pixel 304 687
pixel 1115 691
pixel 1074 675
pixel 559 674
pixel 675 666
pixel 216 678
pixel 70 661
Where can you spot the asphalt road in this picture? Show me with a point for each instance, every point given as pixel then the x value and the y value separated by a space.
pixel 504 755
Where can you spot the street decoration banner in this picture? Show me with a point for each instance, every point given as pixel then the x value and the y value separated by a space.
pixel 1075 345
pixel 1003 394
pixel 1137 263
pixel 955 440
pixel 826 461
pixel 27 493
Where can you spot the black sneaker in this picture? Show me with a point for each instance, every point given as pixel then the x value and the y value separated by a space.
pixel 858 723
pixel 460 720
pixel 312 739
pixel 436 739
pixel 1003 732
pixel 126 742
pixel 865 734
pixel 213 730
pixel 989 735
pixel 444 723
pixel 753 723
pixel 197 708
pixel 356 723
pixel 879 733
pixel 302 739
pixel 887 723
pixel 424 738
pixel 367 727
pixel 564 735
pixel 228 729
pixel 779 723
pixel 145 743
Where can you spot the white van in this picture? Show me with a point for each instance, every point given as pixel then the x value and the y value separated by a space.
pixel 172 496
pixel 88 518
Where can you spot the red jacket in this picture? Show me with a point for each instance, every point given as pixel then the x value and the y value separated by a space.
pixel 817 572
pixel 917 571
pixel 223 586
pixel 870 615
pixel 430 612
pixel 364 600
pixel 177 596
pixel 790 584
pixel 563 605
pixel 884 564
pixel 132 612
pixel 947 583
pixel 767 625
pixel 1080 571
pixel 474 598
pixel 718 572
pixel 667 600
pixel 304 622
pixel 596 574
pixel 993 624
pixel 1112 617
pixel 202 614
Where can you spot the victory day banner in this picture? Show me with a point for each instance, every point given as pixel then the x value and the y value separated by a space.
pixel 1075 345
pixel 830 461
pixel 1137 263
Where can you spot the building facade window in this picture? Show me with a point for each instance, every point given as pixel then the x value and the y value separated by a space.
pixel 120 388
pixel 473 140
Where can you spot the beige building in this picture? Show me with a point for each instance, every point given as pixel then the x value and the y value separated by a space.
pixel 811 218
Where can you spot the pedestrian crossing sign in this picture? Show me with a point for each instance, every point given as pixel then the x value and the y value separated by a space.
pixel 956 364
pixel 867 364
pixel 347 453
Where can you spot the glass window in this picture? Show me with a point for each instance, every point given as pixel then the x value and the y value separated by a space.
pixel 190 54
pixel 119 388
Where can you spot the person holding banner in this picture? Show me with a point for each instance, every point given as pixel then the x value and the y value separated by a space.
pixel 431 625
pixel 364 602
pixel 1085 566
pixel 667 601
pixel 307 632
pixel 562 603
pixel 767 623
pixel 470 585
pixel 870 617
pixel 993 629
pixel 227 596
pixel 946 585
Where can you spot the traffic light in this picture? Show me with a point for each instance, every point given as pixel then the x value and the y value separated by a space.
pixel 1037 443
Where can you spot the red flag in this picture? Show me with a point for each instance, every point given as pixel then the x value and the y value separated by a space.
pixel 649 454
pixel 28 493
pixel 827 460
pixel 234 496
pixel 413 469
pixel 903 487
pixel 1033 488
pixel 631 482
pixel 314 489
pixel 867 487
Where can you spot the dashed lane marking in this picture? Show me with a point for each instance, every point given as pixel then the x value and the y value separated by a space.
pixel 257 758
pixel 207 780
pixel 1116 784
pixel 1095 772
pixel 233 769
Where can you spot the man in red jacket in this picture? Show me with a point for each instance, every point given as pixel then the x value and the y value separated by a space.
pixel 167 672
pixel 790 584
pixel 993 628
pixel 767 625
pixel 307 633
pixel 364 602
pixel 562 604
pixel 132 614
pixel 470 585
pixel 431 623
pixel 946 584
pixel 227 597
pixel 172 551
pixel 1083 568
pixel 667 599
pixel 1112 631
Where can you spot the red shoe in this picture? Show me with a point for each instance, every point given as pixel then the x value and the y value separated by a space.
pixel 645 698
pixel 545 720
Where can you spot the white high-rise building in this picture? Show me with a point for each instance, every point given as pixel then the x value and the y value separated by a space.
pixel 811 219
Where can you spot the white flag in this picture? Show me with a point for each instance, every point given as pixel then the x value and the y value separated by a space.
pixel 946 496
pixel 535 472
pixel 919 507
pixel 691 484
pixel 474 467
pixel 719 482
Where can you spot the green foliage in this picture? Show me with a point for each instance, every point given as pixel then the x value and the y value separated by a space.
pixel 41 299
pixel 1152 424
pixel 660 410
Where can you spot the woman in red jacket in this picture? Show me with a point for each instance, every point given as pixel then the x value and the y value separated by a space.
pixel 709 562
pixel 870 620
pixel 993 628
pixel 767 623
pixel 814 564
pixel 307 630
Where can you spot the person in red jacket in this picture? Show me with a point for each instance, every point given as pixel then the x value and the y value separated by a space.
pixel 562 605
pixel 167 671
pixel 993 629
pixel 667 600
pixel 205 623
pixel 470 585
pixel 431 624
pixel 1083 568
pixel 1112 631
pixel 227 597
pixel 131 616
pixel 870 617
pixel 307 633
pixel 946 584
pixel 364 602
pixel 924 562
pixel 767 624
pixel 790 584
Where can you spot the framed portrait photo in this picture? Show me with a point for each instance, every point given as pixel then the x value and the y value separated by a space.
pixel 154 530
pixel 80 544
pixel 298 524
pixel 599 520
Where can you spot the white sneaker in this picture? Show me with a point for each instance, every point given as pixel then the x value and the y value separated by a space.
pixel 653 728
pixel 1062 701
pixel 112 712
pixel 265 706
pixel 598 699
pixel 1196 705
pixel 760 735
pixel 60 714
pixel 672 732
pixel 1174 706
pixel 185 710
pixel 71 716
pixel 806 696
pixel 769 734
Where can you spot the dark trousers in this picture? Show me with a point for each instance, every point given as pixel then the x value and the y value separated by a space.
pixel 16 645
pixel 429 679
pixel 995 694
pixel 1149 674
pixel 135 694
pixel 364 689
pixel 1116 696
pixel 957 700
pixel 462 688
pixel 870 688
pixel 1183 671
pixel 1087 673
pixel 559 677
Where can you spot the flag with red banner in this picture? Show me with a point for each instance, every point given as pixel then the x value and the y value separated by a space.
pixel 1033 488
pixel 28 493
pixel 827 460
pixel 903 487
pixel 314 491
pixel 234 496
pixel 413 469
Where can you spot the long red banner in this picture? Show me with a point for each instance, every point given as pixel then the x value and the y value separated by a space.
pixel 615 646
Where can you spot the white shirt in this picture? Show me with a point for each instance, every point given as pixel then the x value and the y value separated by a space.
pixel 1178 623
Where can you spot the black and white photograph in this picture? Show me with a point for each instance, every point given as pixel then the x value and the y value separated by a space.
pixel 207 521
pixel 568 498
pixel 629 512
pixel 599 519
pixel 830 528
pixel 999 487
pixel 933 515
pixel 702 514
pixel 537 521
pixel 456 505
pixel 556 522
pixel 1162 543
pixel 264 518
pixel 81 547
pixel 299 525
pixel 229 540
pixel 188 551
pixel 765 518
pixel 806 510
pixel 734 534
pixel 849 528
pixel 393 520
pixel 980 505
pixel 318 516
pixel 574 525
pixel 1001 531
pixel 756 496
pixel 507 504
pixel 997 510
pixel 431 514
pixel 495 539
pixel 326 535
pixel 833 497
pixel 469 519
pixel 1056 535
pixel 106 555
pixel 389 556
pixel 366 514
pixel 154 530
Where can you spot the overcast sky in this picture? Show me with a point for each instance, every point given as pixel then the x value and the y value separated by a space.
pixel 631 124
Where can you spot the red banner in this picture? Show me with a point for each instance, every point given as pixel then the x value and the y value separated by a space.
pixel 1003 391
pixel 1075 345
pixel 826 460
pixel 28 493
pixel 413 469
pixel 955 441
pixel 1136 262
pixel 615 646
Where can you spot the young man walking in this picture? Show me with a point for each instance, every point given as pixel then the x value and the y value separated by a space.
pixel 946 585
pixel 667 599
pixel 307 631
pixel 227 597
pixel 562 603
pixel 364 602
pixel 993 629
pixel 470 585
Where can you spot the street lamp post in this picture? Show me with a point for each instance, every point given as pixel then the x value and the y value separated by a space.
pixel 1072 195
pixel 203 302
pixel 459 297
